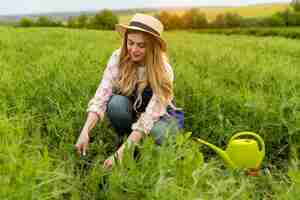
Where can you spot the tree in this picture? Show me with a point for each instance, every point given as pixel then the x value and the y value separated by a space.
pixel 43 21
pixel 175 22
pixel 82 21
pixel 219 22
pixel 290 17
pixel 165 19
pixel 71 22
pixel 47 22
pixel 275 20
pixel 296 5
pixel 104 20
pixel 25 22
pixel 193 18
pixel 232 20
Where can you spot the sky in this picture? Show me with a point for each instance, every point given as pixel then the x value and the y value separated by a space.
pixel 10 7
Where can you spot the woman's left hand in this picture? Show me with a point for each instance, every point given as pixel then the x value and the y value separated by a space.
pixel 134 137
pixel 111 160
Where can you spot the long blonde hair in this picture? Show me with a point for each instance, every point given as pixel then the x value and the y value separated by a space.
pixel 156 74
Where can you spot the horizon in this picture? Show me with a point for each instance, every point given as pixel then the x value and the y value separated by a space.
pixel 152 5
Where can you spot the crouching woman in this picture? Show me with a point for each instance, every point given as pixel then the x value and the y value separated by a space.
pixel 136 91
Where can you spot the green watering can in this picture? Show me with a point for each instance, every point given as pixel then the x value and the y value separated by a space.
pixel 241 153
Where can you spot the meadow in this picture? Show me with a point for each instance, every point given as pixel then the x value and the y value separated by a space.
pixel 225 84
pixel 286 32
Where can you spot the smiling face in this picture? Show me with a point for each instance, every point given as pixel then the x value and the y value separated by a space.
pixel 140 48
pixel 136 46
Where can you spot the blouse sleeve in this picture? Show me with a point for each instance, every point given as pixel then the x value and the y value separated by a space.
pixel 98 103
pixel 154 110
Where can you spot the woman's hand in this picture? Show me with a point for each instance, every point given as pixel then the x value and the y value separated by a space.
pixel 82 143
pixel 133 138
pixel 111 160
pixel 83 139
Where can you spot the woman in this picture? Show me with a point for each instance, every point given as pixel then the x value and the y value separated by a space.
pixel 136 91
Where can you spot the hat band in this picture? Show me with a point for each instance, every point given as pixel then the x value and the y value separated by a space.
pixel 143 26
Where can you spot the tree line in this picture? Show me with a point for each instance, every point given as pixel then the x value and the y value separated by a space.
pixel 195 19
pixel 104 19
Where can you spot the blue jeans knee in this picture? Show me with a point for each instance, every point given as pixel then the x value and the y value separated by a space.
pixel 119 112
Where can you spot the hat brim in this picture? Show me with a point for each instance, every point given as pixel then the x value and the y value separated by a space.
pixel 121 29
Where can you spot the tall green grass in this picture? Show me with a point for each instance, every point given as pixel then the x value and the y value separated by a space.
pixel 225 84
pixel 287 32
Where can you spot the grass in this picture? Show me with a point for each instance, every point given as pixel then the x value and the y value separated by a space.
pixel 287 32
pixel 225 84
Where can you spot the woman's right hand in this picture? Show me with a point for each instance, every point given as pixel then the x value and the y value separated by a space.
pixel 82 143
pixel 83 139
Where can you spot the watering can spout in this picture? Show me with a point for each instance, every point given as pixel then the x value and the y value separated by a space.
pixel 220 152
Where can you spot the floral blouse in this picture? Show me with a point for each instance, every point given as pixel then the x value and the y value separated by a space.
pixel 154 110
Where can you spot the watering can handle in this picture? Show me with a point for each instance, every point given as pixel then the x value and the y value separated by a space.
pixel 261 141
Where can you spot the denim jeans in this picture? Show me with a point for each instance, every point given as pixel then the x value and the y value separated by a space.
pixel 121 115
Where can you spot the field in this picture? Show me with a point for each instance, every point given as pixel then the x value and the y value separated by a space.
pixel 287 32
pixel 225 84
pixel 261 10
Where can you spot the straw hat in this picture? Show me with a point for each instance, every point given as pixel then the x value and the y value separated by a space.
pixel 145 23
